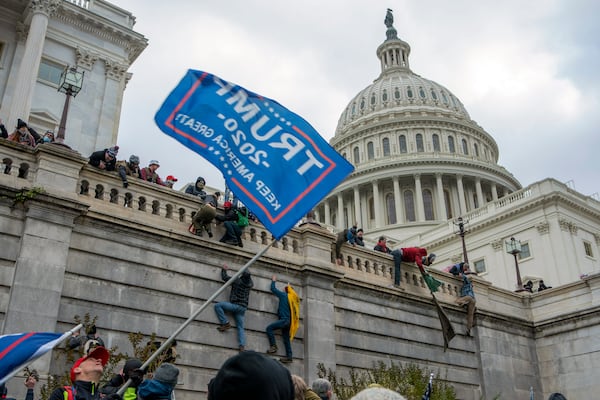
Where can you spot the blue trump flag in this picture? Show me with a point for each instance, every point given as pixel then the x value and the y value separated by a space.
pixel 276 162
pixel 18 350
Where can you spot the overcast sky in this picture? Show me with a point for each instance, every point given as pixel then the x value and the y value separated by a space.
pixel 527 71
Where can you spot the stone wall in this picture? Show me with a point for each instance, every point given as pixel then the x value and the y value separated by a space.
pixel 86 245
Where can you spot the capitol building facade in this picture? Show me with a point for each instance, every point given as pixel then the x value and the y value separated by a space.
pixel 421 163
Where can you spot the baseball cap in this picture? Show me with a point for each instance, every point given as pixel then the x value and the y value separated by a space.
pixel 171 178
pixel 99 353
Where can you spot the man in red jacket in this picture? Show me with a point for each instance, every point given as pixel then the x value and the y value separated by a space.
pixel 410 254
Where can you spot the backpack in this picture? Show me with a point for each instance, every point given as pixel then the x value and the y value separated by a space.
pixel 242 220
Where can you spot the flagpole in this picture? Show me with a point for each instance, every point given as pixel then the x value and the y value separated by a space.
pixel 208 301
pixel 59 341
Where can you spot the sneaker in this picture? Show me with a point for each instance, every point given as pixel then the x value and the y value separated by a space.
pixel 224 327
pixel 240 243
pixel 231 241
pixel 199 232
pixel 286 360
pixel 242 348
pixel 272 349
pixel 210 234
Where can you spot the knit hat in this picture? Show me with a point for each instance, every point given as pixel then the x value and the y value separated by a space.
pixel 250 375
pixel 21 124
pixel 133 159
pixel 90 345
pixel 99 353
pixel 167 374
pixel 154 162
pixel 112 151
pixel 321 387
pixel 378 393
pixel 130 365
pixel 431 258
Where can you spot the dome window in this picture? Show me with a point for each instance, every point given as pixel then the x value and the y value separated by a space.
pixel 409 92
pixel 436 142
pixel 373 99
pixel 444 98
pixel 476 149
pixel 384 95
pixel 385 143
pixel 451 147
pixel 362 104
pixel 433 94
pixel 465 147
pixel 409 206
pixel 397 94
pixel 421 92
pixel 428 205
pixel 356 155
pixel 390 204
pixel 370 151
pixel 402 142
pixel 420 147
pixel 353 109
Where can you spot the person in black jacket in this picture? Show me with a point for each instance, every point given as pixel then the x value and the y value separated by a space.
pixel 237 304
pixel 105 159
pixel 233 232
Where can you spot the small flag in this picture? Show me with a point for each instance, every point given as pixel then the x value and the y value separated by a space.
pixel 18 350
pixel 276 163
pixel 429 390
pixel 447 329
pixel 432 283
pixel 294 302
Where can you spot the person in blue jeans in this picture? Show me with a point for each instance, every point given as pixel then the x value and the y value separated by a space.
pixel 237 304
pixel 285 319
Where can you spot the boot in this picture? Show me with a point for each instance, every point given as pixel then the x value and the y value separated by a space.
pixel 286 360
pixel 272 349
pixel 224 327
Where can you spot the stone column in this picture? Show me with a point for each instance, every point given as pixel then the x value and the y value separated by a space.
pixel 377 204
pixel 20 105
pixel 340 211
pixel 494 191
pixel 398 201
pixel 327 212
pixel 479 192
pixel 41 262
pixel 357 211
pixel 461 195
pixel 419 198
pixel 441 203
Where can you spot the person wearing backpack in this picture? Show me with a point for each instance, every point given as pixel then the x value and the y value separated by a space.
pixel 233 228
pixel 85 376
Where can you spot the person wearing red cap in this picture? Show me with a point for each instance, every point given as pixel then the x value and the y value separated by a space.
pixel 233 233
pixel 170 181
pixel 85 376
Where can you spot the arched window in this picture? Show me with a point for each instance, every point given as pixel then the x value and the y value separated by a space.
pixel 428 205
pixel 436 142
pixel 421 92
pixel 465 147
pixel 397 94
pixel 433 94
pixel 344 155
pixel 390 204
pixel 385 143
pixel 384 96
pixel 451 148
pixel 362 103
pixel 444 98
pixel 356 156
pixel 409 206
pixel 448 204
pixel 370 151
pixel 420 147
pixel 475 200
pixel 373 99
pixel 476 149
pixel 409 92
pixel 402 142
pixel 353 109
pixel 371 208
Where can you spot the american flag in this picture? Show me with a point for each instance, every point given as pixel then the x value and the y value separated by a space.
pixel 20 349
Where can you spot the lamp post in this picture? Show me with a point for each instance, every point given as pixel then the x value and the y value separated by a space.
pixel 71 81
pixel 514 247
pixel 460 223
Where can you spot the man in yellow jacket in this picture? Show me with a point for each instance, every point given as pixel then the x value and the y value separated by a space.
pixel 284 323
